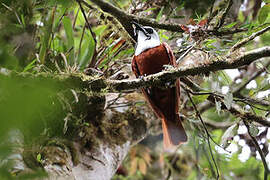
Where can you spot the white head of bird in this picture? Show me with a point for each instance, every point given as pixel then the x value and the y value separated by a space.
pixel 147 38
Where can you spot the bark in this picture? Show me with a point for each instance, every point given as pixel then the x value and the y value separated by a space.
pixel 92 149
pixel 99 84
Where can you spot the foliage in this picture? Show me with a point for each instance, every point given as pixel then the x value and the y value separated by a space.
pixel 38 36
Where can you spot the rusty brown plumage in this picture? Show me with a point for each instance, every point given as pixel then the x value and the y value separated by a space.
pixel 164 101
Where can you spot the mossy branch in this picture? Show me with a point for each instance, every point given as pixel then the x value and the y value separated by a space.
pixel 100 84
pixel 126 18
pixel 232 61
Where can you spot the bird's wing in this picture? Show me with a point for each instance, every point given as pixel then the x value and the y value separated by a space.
pixel 170 54
pixel 135 67
pixel 173 63
pixel 173 131
pixel 146 91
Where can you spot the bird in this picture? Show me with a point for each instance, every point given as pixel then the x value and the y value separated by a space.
pixel 150 57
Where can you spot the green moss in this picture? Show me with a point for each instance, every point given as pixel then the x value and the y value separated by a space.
pixel 88 124
pixel 118 129
pixel 30 157
pixel 137 122
pixel 115 129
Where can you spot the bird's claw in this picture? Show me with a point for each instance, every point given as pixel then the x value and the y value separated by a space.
pixel 142 77
pixel 169 84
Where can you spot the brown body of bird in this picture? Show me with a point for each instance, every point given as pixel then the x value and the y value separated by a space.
pixel 150 58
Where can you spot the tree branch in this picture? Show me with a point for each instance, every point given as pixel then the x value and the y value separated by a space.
pixel 125 19
pixel 161 78
pixel 238 89
pixel 246 40
pixel 99 84
pixel 234 110
pixel 207 133
pixel 257 146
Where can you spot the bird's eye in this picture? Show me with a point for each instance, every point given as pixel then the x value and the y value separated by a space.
pixel 149 30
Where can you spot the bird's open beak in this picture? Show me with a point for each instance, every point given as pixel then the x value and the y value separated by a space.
pixel 138 27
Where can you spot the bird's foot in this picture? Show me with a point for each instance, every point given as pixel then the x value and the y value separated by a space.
pixel 170 84
pixel 142 77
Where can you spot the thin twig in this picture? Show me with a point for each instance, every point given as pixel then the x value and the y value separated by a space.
pixel 207 133
pixel 81 40
pixel 86 21
pixel 208 158
pixel 224 14
pixel 75 19
pixel 12 10
pixel 257 146
pixel 172 161
pixel 210 17
pixel 251 105
pixel 93 60
pixel 125 19
pixel 112 101
pixel 225 32
pixel 206 93
pixel 187 50
pixel 248 101
pixel 234 110
pixel 246 40
pixel 237 90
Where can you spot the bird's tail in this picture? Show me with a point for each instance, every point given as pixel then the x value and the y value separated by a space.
pixel 173 132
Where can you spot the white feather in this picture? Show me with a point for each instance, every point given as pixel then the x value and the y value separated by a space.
pixel 143 43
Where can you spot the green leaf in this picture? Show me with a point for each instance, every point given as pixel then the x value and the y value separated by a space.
pixel 164 36
pixel 160 13
pixel 228 100
pixel 69 33
pixel 218 107
pixel 253 129
pixel 39 158
pixel 88 49
pixel 228 135
pixel 265 85
pixel 241 16
pixel 230 25
pixel 217 134
pixel 199 99
pixel 150 9
pixel 225 78
pixel 58 18
pixel 45 39
pixel 264 13
pixel 64 3
pixel 30 65
pixel 99 30
pixel 208 43
pixel 139 103
pixel 23 20
pixel 181 6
